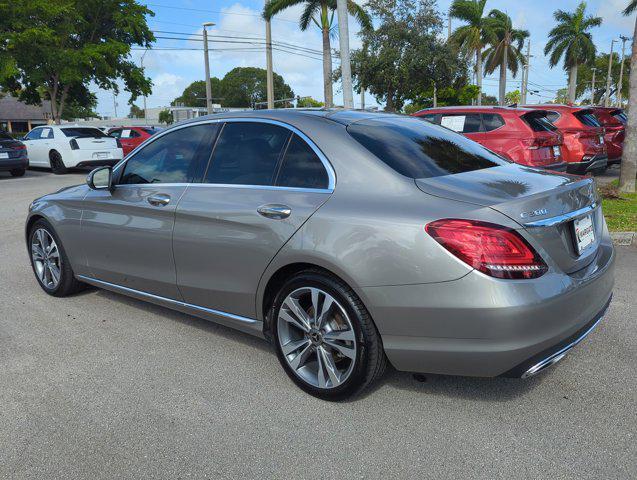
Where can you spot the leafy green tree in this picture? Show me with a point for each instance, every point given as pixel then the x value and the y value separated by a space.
pixel 244 86
pixel 324 10
pixel 403 55
pixel 561 96
pixel 55 49
pixel 489 100
pixel 472 37
pixel 585 77
pixel 166 117
pixel 81 108
pixel 571 39
pixel 135 112
pixel 629 158
pixel 504 52
pixel 194 95
pixel 512 97
pixel 306 102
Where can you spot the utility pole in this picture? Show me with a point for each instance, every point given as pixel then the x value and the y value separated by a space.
pixel 593 87
pixel 624 39
pixel 207 67
pixel 525 74
pixel 268 62
pixel 141 64
pixel 435 96
pixel 346 67
pixel 610 66
pixel 115 104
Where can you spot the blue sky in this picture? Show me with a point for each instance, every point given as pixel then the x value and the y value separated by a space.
pixel 172 70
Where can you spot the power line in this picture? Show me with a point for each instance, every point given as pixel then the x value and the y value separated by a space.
pixel 220 12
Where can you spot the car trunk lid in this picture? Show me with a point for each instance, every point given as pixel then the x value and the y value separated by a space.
pixel 545 204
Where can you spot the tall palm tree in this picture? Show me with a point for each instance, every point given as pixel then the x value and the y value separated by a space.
pixel 571 38
pixel 629 157
pixel 471 38
pixel 505 48
pixel 324 10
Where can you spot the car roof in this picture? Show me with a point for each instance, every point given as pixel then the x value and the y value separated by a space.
pixel 480 109
pixel 559 107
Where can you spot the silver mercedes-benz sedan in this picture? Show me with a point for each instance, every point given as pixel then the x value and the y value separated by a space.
pixel 347 239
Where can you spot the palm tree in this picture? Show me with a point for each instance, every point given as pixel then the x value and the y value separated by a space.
pixel 571 38
pixel 629 158
pixel 471 38
pixel 505 45
pixel 324 9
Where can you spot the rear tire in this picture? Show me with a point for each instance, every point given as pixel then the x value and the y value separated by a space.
pixel 17 172
pixel 343 336
pixel 50 263
pixel 57 164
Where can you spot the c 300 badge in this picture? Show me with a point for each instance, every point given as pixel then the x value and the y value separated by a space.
pixel 535 213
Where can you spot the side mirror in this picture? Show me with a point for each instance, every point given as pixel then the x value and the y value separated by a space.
pixel 100 179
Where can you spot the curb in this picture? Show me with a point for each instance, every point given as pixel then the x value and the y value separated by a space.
pixel 624 239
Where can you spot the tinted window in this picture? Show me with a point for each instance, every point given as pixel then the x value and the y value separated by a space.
pixel 538 122
pixel 247 153
pixel 301 167
pixel 418 149
pixel 115 134
pixel 587 118
pixel 46 133
pixel 33 134
pixel 553 116
pixel 491 121
pixel 621 116
pixel 466 123
pixel 83 132
pixel 430 117
pixel 176 157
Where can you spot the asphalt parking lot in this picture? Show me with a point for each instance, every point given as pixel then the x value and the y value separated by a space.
pixel 103 386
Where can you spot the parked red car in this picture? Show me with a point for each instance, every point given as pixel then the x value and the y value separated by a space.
pixel 584 148
pixel 130 137
pixel 614 122
pixel 521 135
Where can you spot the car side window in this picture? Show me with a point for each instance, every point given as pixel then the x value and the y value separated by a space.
pixel 47 133
pixel 115 134
pixel 176 157
pixel 553 116
pixel 301 167
pixel 247 153
pixel 491 121
pixel 464 123
pixel 33 134
pixel 430 117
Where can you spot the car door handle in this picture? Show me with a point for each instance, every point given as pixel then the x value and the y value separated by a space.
pixel 275 211
pixel 159 199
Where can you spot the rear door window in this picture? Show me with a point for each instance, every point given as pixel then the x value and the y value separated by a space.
pixel 553 116
pixel 418 149
pixel 539 122
pixel 587 118
pixel 301 167
pixel 462 123
pixel 491 121
pixel 430 117
pixel 247 153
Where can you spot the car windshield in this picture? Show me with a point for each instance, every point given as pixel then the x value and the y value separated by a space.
pixel 83 132
pixel 419 149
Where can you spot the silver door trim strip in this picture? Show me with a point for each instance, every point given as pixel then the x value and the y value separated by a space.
pixel 170 301
pixel 565 217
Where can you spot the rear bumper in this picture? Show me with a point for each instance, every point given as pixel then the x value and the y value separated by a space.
pixel 98 163
pixel 557 167
pixel 83 158
pixel 479 326
pixel 581 168
pixel 614 161
pixel 13 164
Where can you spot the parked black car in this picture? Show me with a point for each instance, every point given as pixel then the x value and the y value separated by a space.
pixel 13 155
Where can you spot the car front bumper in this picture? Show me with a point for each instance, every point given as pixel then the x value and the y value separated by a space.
pixel 485 327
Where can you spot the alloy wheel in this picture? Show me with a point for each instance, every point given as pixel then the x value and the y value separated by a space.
pixel 316 337
pixel 46 258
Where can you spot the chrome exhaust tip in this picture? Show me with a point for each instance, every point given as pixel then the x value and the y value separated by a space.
pixel 547 362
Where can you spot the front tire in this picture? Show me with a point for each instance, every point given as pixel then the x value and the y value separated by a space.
pixel 50 263
pixel 324 336
pixel 17 172
pixel 57 164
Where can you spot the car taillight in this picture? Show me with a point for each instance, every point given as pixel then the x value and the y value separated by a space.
pixel 20 147
pixel 74 145
pixel 492 249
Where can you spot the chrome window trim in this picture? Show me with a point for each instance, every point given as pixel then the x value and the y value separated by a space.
pixel 565 217
pixel 331 174
pixel 226 185
pixel 171 301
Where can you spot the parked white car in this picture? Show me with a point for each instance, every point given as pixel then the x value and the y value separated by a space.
pixel 61 147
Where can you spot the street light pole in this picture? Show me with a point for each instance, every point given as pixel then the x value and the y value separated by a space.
pixel 207 67
pixel 610 66
pixel 346 67
pixel 525 74
pixel 624 39
pixel 268 61
pixel 593 87
pixel 141 64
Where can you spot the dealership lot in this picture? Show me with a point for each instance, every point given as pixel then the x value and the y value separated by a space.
pixel 100 385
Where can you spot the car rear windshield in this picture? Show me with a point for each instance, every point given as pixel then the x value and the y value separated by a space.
pixel 419 149
pixel 539 122
pixel 587 118
pixel 83 132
